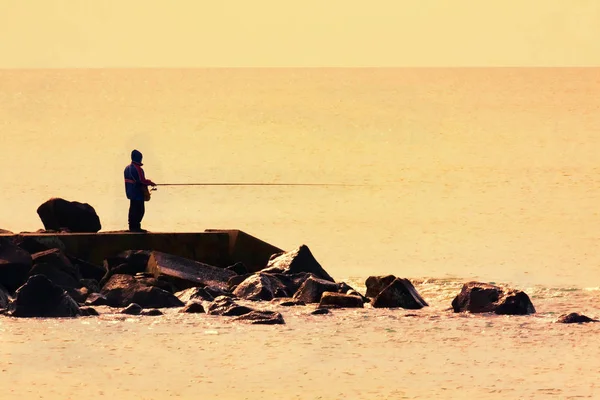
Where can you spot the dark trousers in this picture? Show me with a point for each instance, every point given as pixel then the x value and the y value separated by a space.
pixel 136 213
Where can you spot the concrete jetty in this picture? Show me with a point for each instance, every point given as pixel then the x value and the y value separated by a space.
pixel 217 247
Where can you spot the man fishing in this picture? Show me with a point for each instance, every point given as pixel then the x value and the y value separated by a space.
pixel 136 189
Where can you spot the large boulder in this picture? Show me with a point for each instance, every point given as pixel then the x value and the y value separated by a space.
pixel 256 287
pixel 399 293
pixel 185 273
pixel 312 289
pixel 57 214
pixel 340 300
pixel 478 297
pixel 15 264
pixel 375 284
pixel 39 297
pixel 122 290
pixel 295 261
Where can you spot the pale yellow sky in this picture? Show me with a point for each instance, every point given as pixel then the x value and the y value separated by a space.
pixel 235 33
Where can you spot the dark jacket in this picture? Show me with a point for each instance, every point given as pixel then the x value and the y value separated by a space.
pixel 135 180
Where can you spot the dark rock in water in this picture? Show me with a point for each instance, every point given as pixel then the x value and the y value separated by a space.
pixel 574 318
pixel 194 294
pixel 515 302
pixel 478 297
pixel 88 270
pixel 4 298
pixel 39 297
pixel 184 273
pixel 153 312
pixel 15 264
pixel 312 289
pixel 261 318
pixel 340 300
pixel 295 261
pixel 399 293
pixel 193 307
pixel 375 284
pixel 256 287
pixel 88 311
pixel 96 299
pixel 57 214
pixel 132 309
pixel 320 311
pixel 121 290
pixel 239 268
pixel 227 307
pixel 91 285
pixel 287 302
pixel 159 282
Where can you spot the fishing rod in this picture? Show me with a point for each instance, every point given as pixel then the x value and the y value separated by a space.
pixel 254 184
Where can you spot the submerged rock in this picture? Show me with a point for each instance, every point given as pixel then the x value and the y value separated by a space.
pixel 226 306
pixel 399 293
pixel 320 311
pixel 88 312
pixel 39 297
pixel 575 318
pixel 57 214
pixel 153 312
pixel 261 318
pixel 340 300
pixel 185 273
pixel 478 297
pixel 132 309
pixel 121 290
pixel 15 264
pixel 295 261
pixel 193 307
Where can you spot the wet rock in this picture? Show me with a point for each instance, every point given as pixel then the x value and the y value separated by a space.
pixel 15 264
pixel 87 270
pixel 88 312
pixel 312 289
pixel 340 300
pixel 193 307
pixel 287 302
pixel 256 287
pixel 91 285
pixel 121 290
pixel 236 280
pixel 295 261
pixel 320 311
pixel 132 309
pixel 96 299
pixel 261 318
pixel 375 284
pixel 239 268
pixel 184 273
pixel 31 244
pixel 58 213
pixel 227 307
pixel 478 297
pixel 399 293
pixel 4 297
pixel 151 313
pixel 194 294
pixel 80 295
pixel 39 297
pixel 574 318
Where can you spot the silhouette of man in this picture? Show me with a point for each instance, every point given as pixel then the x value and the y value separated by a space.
pixel 136 185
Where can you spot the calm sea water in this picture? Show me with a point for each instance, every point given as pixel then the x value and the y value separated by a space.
pixel 487 174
